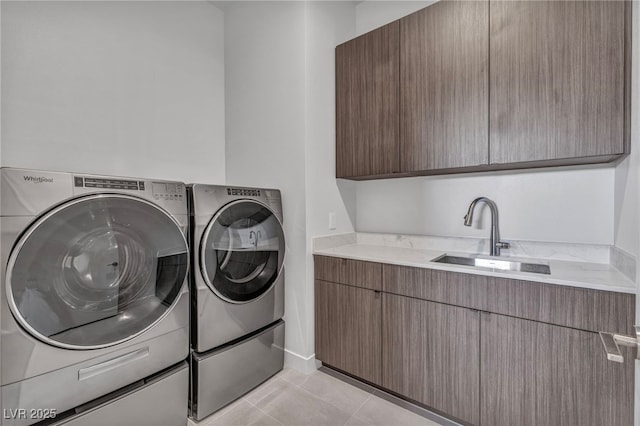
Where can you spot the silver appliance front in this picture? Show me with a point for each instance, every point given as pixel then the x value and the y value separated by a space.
pixel 96 271
pixel 242 251
pixel 80 317
pixel 238 273
pixel 165 393
pixel 233 321
pixel 225 374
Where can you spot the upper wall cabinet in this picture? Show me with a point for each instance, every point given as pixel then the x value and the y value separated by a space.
pixel 476 85
pixel 444 60
pixel 557 80
pixel 367 104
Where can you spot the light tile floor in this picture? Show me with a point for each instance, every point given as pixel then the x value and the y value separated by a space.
pixel 291 398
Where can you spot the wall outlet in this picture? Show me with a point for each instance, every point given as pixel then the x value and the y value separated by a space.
pixel 332 220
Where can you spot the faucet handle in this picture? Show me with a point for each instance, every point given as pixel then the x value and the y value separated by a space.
pixel 503 245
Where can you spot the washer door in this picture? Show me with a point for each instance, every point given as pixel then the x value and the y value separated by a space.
pixel 242 251
pixel 96 271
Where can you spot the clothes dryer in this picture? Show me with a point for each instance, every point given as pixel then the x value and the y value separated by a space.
pixel 237 282
pixel 95 295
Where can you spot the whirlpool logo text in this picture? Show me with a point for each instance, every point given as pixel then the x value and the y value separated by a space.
pixel 38 179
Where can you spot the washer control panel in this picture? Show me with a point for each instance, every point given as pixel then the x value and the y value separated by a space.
pixel 159 190
pixel 167 190
pixel 103 183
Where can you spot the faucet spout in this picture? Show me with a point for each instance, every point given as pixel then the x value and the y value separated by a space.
pixel 469 216
pixel 494 240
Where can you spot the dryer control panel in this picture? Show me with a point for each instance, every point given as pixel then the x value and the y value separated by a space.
pixel 244 192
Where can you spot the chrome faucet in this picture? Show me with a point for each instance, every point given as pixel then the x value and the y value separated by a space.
pixel 494 244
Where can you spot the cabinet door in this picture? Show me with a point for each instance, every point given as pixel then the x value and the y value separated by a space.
pixel 349 329
pixel 367 104
pixel 431 354
pixel 444 52
pixel 540 374
pixel 557 80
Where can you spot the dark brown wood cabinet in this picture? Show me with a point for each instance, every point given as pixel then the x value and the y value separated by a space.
pixel 367 104
pixel 347 271
pixel 348 316
pixel 575 307
pixel 557 80
pixel 348 329
pixel 535 374
pixel 438 286
pixel 444 93
pixel 482 350
pixel 465 86
pixel 431 354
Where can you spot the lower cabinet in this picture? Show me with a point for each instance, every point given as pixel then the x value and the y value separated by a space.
pixel 349 329
pixel 431 354
pixel 540 374
pixel 491 352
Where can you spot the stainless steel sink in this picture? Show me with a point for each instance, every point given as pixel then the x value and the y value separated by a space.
pixel 494 263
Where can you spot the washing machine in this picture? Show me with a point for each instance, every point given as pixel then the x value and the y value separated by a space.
pixel 237 290
pixel 94 303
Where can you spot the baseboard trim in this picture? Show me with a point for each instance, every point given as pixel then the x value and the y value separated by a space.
pixel 421 411
pixel 306 365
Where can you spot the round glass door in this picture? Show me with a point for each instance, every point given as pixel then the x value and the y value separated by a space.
pixel 242 251
pixel 96 271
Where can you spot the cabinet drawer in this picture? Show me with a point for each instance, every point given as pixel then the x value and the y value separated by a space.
pixel 439 286
pixel 574 307
pixel 346 271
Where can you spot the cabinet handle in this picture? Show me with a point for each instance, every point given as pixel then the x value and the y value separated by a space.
pixel 611 341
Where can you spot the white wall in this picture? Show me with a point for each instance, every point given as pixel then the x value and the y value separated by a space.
pixel 626 230
pixel 327 25
pixel 375 13
pixel 126 88
pixel 559 205
pixel 627 221
pixel 265 122
pixel 280 123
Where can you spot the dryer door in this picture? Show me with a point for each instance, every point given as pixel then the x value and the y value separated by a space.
pixel 96 271
pixel 242 251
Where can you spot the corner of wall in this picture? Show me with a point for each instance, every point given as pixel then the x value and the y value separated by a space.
pixel 306 365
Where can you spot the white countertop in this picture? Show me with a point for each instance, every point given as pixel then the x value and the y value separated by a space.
pixel 599 276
